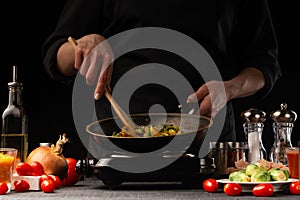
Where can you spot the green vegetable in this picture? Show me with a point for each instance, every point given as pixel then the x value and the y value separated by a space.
pixel 261 166
pixel 232 175
pixel 278 174
pixel 261 176
pixel 251 169
pixel 239 176
pixel 150 131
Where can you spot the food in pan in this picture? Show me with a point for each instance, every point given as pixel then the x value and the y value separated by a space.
pixel 150 131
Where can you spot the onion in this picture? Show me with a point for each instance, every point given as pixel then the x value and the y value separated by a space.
pixel 51 158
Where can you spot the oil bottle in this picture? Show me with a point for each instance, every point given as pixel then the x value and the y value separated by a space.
pixel 14 120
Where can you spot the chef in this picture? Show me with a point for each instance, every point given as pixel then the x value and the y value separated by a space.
pixel 238 36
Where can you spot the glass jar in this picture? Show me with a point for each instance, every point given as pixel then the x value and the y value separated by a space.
pixel 225 154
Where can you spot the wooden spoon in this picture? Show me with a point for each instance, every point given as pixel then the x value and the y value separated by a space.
pixel 127 121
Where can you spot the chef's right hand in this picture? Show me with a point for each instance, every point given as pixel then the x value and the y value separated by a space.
pixel 95 64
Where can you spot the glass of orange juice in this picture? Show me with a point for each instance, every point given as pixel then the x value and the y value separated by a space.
pixel 292 154
pixel 7 164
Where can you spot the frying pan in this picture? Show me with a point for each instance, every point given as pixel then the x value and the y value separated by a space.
pixel 194 128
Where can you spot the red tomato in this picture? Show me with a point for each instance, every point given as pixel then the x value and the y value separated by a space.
pixel 21 186
pixel 263 190
pixel 48 186
pixel 57 181
pixel 232 189
pixel 295 187
pixel 45 177
pixel 72 177
pixel 37 168
pixel 210 185
pixel 24 169
pixel 3 188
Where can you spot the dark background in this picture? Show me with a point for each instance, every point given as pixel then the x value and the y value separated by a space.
pixel 48 103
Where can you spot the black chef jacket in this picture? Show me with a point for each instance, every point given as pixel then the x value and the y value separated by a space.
pixel 235 33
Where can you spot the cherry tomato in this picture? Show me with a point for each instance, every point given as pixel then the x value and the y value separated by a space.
pixel 72 177
pixel 57 181
pixel 21 186
pixel 232 189
pixel 45 177
pixel 3 188
pixel 37 168
pixel 295 187
pixel 48 186
pixel 210 185
pixel 263 190
pixel 24 169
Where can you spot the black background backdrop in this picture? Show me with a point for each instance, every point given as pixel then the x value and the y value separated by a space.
pixel 48 103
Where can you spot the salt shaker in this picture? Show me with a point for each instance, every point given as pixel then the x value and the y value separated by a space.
pixel 283 120
pixel 253 128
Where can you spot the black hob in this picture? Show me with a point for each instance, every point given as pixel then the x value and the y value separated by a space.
pixel 186 169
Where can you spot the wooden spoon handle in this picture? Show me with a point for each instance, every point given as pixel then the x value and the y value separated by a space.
pixel 127 121
pixel 72 41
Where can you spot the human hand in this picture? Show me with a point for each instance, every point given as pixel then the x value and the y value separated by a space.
pixel 95 64
pixel 212 97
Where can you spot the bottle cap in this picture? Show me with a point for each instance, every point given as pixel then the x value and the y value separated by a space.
pixel 15 82
pixel 45 144
pixel 226 145
pixel 283 114
pixel 253 115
